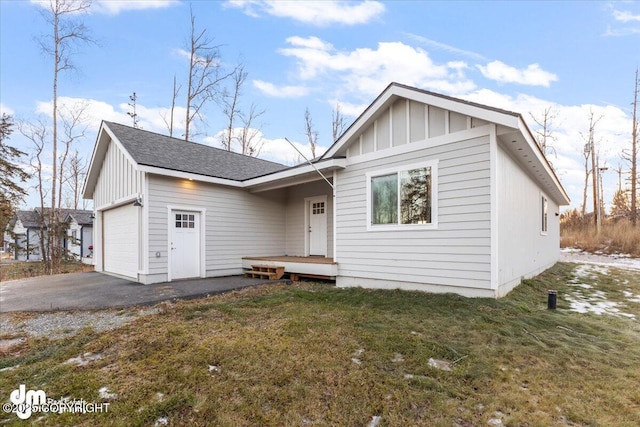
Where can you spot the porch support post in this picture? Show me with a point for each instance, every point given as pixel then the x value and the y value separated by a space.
pixel 335 210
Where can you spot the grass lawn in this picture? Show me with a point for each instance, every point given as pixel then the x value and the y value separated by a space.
pixel 312 354
pixel 23 270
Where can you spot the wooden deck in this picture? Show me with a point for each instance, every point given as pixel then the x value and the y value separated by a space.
pixel 296 266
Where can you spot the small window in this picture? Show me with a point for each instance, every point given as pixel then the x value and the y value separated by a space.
pixel 544 215
pixel 403 198
pixel 185 221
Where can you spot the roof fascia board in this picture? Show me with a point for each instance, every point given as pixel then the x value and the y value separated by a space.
pixel 537 151
pixel 328 164
pixel 190 176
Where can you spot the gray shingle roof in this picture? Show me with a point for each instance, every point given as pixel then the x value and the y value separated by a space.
pixel 152 149
pixel 31 219
pixel 82 217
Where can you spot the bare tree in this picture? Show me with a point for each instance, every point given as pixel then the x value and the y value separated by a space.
pixel 67 32
pixel 231 107
pixel 591 150
pixel 587 172
pixel 250 138
pixel 338 123
pixel 168 122
pixel 312 134
pixel 634 155
pixel 205 74
pixel 36 132
pixel 76 173
pixel 544 134
pixel 73 129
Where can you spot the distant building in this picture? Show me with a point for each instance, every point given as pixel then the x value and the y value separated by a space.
pixel 22 235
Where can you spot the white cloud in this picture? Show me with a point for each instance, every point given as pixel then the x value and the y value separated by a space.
pixel 569 128
pixel 533 75
pixel 6 110
pixel 280 91
pixel 626 16
pixel 114 7
pixel 318 13
pixel 276 150
pixel 364 72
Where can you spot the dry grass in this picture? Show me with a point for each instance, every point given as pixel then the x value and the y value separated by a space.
pixel 311 354
pixel 614 238
pixel 23 270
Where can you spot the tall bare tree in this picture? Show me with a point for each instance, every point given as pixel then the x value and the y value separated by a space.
pixel 205 74
pixel 634 155
pixel 76 173
pixel 168 121
pixel 544 133
pixel 250 138
pixel 338 123
pixel 231 106
pixel 73 128
pixel 68 31
pixel 311 132
pixel 592 151
pixel 37 133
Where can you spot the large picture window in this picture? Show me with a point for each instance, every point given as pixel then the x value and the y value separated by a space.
pixel 402 198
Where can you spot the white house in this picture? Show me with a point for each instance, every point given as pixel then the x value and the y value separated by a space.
pixel 423 191
pixel 22 234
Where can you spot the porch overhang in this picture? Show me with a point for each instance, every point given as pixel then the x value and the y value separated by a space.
pixel 295 176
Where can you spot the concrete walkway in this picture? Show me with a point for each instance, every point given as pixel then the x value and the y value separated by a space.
pixel 90 291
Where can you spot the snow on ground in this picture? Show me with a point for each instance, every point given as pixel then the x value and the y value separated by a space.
pixel 622 261
pixel 586 299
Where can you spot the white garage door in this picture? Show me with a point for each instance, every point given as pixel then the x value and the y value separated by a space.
pixel 121 241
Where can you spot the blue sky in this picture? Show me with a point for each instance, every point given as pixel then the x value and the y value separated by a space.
pixel 574 57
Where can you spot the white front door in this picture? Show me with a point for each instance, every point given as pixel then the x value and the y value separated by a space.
pixel 318 226
pixel 185 244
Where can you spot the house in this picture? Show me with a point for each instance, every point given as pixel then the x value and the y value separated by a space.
pixel 22 235
pixel 79 233
pixel 423 191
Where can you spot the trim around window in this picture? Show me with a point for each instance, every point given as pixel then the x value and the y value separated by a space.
pixel 544 215
pixel 398 205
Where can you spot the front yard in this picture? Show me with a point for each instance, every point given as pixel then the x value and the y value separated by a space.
pixel 311 354
pixel 12 270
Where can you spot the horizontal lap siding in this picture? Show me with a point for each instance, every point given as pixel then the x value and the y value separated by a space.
pixel 457 253
pixel 238 223
pixel 523 250
pixel 295 216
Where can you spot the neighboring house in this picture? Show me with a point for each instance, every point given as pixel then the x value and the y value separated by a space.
pixel 79 233
pixel 423 191
pixel 22 236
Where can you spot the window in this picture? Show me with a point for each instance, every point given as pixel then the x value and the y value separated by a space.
pixel 317 208
pixel 185 221
pixel 544 215
pixel 402 198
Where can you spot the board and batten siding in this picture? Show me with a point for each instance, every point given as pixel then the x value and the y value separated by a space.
pixel 296 213
pixel 523 249
pixel 119 181
pixel 238 224
pixel 454 257
pixel 118 178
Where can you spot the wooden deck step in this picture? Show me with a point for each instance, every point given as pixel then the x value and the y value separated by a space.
pixel 269 272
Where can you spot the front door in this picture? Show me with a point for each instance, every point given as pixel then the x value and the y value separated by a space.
pixel 318 226
pixel 185 244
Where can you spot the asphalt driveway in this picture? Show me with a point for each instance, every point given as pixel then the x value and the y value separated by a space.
pixel 89 291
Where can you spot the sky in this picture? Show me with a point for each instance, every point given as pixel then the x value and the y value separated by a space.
pixel 576 58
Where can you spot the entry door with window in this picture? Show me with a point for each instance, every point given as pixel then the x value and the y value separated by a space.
pixel 318 226
pixel 185 244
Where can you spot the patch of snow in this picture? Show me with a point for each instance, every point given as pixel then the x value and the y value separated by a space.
pixel 162 421
pixel 375 420
pixel 622 261
pixel 214 368
pixel 443 365
pixel 356 360
pixel 409 376
pixel 9 368
pixel 397 358
pixel 85 359
pixel 105 393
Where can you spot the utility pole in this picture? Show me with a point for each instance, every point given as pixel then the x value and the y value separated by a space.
pixel 594 175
